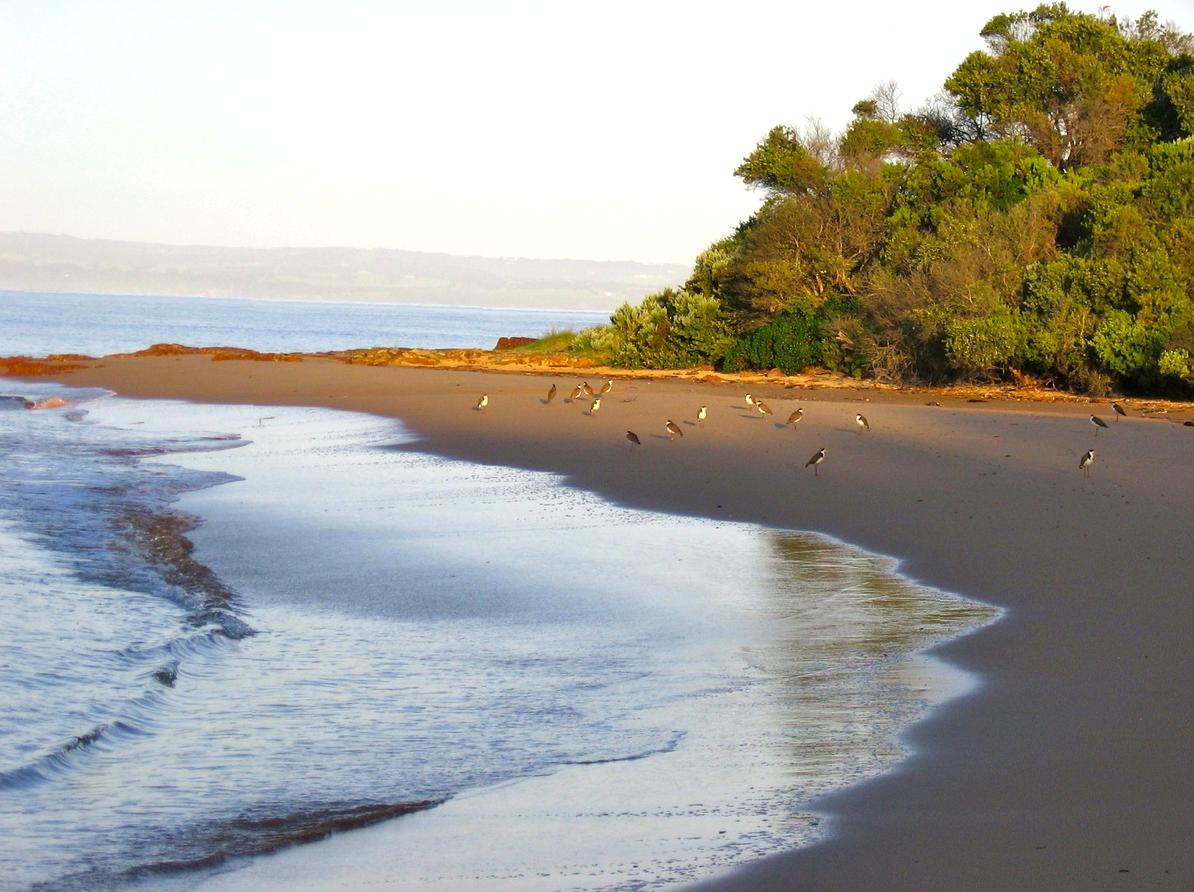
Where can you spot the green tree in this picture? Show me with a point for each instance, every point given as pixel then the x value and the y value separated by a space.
pixel 1037 217
pixel 1074 84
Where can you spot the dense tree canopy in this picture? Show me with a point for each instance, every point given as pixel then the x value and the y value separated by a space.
pixel 1037 217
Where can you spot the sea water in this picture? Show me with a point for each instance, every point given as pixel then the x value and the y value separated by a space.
pixel 41 323
pixel 542 689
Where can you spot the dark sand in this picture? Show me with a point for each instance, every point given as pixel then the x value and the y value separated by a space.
pixel 1072 767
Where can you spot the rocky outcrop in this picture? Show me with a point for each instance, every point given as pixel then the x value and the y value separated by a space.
pixel 511 343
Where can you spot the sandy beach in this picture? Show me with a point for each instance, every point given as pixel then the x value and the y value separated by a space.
pixel 1070 766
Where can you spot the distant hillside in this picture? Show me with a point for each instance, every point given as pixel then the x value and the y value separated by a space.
pixel 35 262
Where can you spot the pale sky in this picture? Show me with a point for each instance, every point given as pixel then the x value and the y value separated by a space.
pixel 605 131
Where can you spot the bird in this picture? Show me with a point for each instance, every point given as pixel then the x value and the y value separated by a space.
pixel 483 402
pixel 1119 410
pixel 596 405
pixel 1086 461
pixel 588 391
pixel 633 438
pixel 1098 423
pixel 818 457
pixel 551 394
pixel 750 400
pixel 762 407
pixel 702 414
pixel 863 424
pixel 576 392
pixel 607 386
pixel 673 430
pixel 795 417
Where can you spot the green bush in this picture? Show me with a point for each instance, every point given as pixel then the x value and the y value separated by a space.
pixel 983 345
pixel 670 329
pixel 1126 348
pixel 796 340
pixel 790 342
pixel 1177 364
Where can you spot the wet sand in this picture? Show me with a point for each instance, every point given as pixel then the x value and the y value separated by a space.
pixel 1070 767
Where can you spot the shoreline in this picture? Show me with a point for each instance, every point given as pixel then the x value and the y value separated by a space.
pixel 1068 767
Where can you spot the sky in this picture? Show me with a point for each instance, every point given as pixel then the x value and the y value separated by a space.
pixel 592 130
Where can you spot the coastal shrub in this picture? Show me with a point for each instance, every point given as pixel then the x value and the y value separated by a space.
pixel 596 343
pixel 669 329
pixel 1177 365
pixel 790 342
pixel 1126 348
pixel 799 339
pixel 983 345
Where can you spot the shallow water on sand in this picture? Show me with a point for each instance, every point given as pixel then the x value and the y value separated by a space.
pixel 599 697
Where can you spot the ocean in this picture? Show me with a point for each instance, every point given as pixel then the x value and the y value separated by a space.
pixel 230 630
pixel 38 324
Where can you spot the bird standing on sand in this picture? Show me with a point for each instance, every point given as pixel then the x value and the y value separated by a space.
pixel 795 417
pixel 576 392
pixel 1098 423
pixel 483 402
pixel 818 457
pixel 763 408
pixel 551 394
pixel 1119 410
pixel 702 414
pixel 607 386
pixel 586 388
pixel 750 400
pixel 633 438
pixel 863 424
pixel 673 430
pixel 596 406
pixel 1086 461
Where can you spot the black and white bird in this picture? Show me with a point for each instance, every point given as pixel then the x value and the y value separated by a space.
pixel 633 438
pixel 702 414
pixel 863 424
pixel 551 394
pixel 763 408
pixel 818 457
pixel 593 409
pixel 795 417
pixel 1086 461
pixel 576 392
pixel 750 400
pixel 673 430
pixel 1098 423
pixel 483 402
pixel 1119 410
pixel 607 386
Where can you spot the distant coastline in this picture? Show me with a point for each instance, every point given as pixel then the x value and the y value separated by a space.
pixel 35 262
